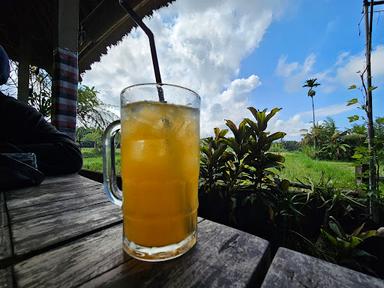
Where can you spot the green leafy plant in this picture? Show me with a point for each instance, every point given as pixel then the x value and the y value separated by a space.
pixel 242 163
pixel 342 248
pixel 335 148
pixel 312 83
pixel 373 144
pixel 213 162
pixel 260 163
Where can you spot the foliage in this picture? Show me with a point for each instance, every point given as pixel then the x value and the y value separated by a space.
pixel 10 88
pixel 213 162
pixel 91 111
pixel 285 146
pixel 373 144
pixel 277 147
pixel 290 145
pixel 40 91
pixel 334 149
pixel 332 143
pixel 230 165
pixel 94 135
pixel 310 151
pixel 241 173
pixel 337 246
pixel 311 83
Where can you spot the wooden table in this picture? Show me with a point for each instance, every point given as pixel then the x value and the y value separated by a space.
pixel 65 233
pixel 296 270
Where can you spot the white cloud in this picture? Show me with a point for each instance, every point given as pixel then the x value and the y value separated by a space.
pixel 232 104
pixel 348 74
pixel 200 46
pixel 294 73
pixel 341 58
pixel 343 73
pixel 329 111
pixel 285 69
pixel 292 126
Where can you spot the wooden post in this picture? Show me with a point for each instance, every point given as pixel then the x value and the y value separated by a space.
pixel 23 72
pixel 68 24
pixel 65 69
pixel 368 34
pixel 23 80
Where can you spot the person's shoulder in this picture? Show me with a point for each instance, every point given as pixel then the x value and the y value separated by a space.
pixel 5 98
pixel 18 112
pixel 11 102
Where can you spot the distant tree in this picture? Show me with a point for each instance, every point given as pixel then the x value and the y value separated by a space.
pixel 325 131
pixel 10 88
pixel 91 111
pixel 80 134
pixel 311 83
pixel 94 135
pixel 291 145
pixel 358 129
pixel 40 91
pixel 335 148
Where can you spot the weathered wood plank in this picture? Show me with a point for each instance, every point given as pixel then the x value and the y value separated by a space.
pixel 223 257
pixel 74 263
pixel 6 280
pixel 5 238
pixel 3 213
pixel 50 181
pixel 5 243
pixel 37 233
pixel 54 207
pixel 292 269
pixel 50 192
pixel 64 178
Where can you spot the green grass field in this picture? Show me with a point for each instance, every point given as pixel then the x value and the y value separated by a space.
pixel 298 167
pixel 92 160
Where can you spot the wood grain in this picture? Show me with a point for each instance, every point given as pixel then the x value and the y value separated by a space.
pixel 68 188
pixel 59 205
pixel 37 233
pixel 223 257
pixel 6 280
pixel 5 238
pixel 293 269
pixel 75 263
pixel 3 212
pixel 64 178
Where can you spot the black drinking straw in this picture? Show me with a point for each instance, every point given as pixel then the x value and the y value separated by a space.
pixel 136 18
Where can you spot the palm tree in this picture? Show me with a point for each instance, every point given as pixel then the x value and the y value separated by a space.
pixel 311 83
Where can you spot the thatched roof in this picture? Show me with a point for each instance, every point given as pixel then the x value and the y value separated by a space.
pixel 30 26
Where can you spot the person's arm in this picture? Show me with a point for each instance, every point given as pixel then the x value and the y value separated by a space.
pixel 56 158
pixel 26 129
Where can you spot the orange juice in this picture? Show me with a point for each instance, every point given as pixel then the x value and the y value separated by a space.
pixel 160 170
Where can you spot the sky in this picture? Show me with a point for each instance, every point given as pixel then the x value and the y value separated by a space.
pixel 237 54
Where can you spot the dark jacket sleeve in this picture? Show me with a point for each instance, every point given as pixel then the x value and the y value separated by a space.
pixel 27 130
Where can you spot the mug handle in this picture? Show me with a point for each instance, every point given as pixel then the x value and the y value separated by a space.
pixel 113 192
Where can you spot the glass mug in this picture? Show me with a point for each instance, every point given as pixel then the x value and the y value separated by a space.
pixel 160 161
